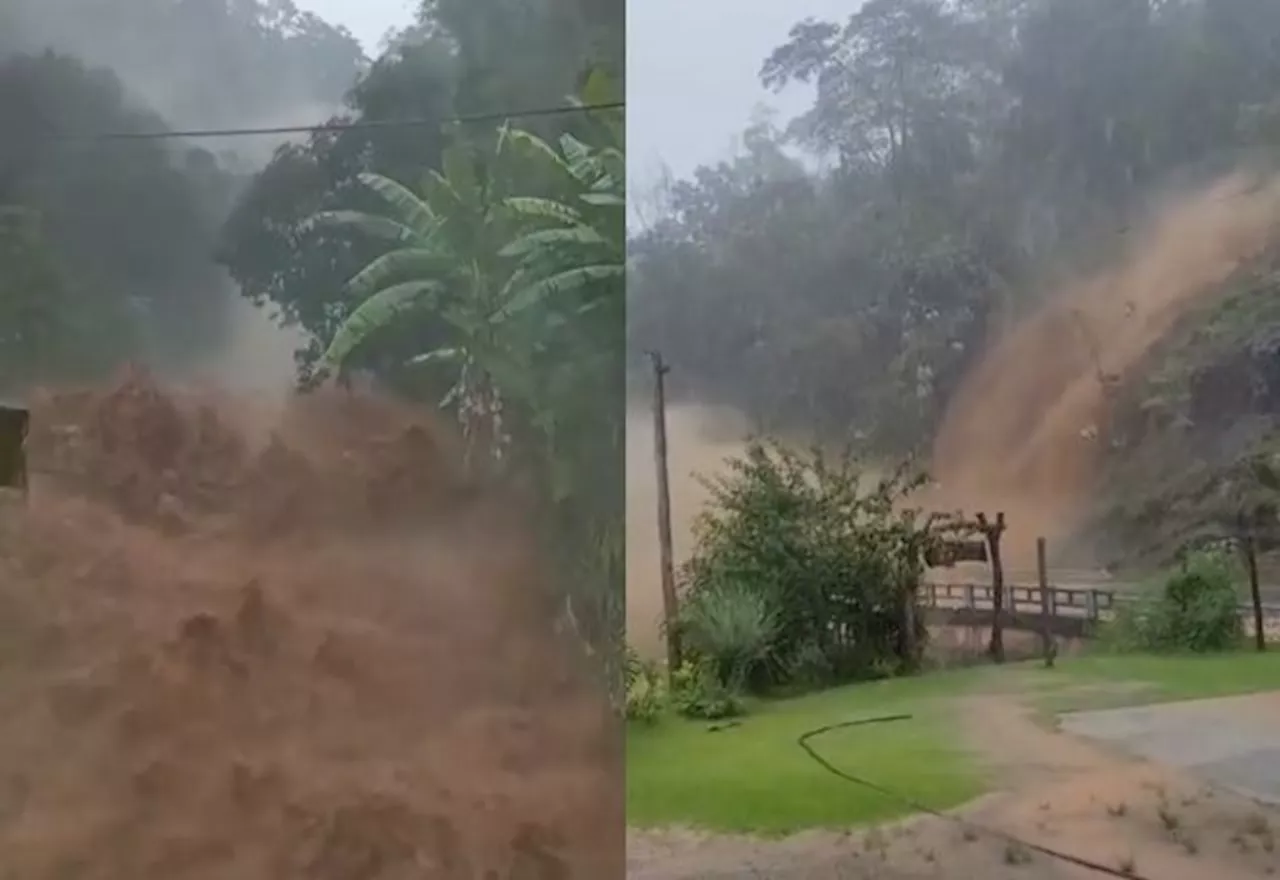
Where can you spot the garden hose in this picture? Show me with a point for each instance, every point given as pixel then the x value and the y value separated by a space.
pixel 1078 861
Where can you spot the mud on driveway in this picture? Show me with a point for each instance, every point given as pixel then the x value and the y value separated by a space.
pixel 1165 821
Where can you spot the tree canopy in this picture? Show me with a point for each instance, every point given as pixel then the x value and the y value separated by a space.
pixel 130 225
pixel 478 266
pixel 970 151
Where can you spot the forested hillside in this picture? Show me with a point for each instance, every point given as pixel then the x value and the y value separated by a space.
pixel 976 157
pixel 122 232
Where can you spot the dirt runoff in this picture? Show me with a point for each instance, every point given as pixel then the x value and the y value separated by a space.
pixel 284 661
pixel 701 440
pixel 1053 790
pixel 1026 429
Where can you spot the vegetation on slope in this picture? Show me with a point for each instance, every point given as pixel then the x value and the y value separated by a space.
pixel 974 156
pixel 1186 428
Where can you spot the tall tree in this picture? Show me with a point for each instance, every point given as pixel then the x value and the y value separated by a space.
pixel 130 224
pixel 972 149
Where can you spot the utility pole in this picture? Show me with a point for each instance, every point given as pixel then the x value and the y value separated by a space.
pixel 1047 642
pixel 670 607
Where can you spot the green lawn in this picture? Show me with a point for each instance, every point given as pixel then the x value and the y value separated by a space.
pixel 1163 679
pixel 754 778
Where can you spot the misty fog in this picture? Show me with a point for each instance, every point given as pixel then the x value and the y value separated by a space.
pixel 1028 150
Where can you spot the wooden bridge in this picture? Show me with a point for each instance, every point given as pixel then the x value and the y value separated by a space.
pixel 1067 612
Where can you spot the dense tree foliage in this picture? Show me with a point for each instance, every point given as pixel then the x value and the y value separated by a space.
pixel 129 225
pixel 459 59
pixel 970 151
pixel 806 571
pixel 33 301
pixel 474 265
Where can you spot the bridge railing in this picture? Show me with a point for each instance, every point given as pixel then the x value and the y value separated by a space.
pixel 1090 603
pixel 1064 601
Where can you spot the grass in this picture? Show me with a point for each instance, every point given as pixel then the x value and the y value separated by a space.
pixel 754 778
pixel 1161 679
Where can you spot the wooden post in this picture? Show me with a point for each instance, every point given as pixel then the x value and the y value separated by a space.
pixel 910 646
pixel 670 606
pixel 993 532
pixel 1250 544
pixel 1046 602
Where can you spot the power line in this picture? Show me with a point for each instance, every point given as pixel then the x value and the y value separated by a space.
pixel 109 136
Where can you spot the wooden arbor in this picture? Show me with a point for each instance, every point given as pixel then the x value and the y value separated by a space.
pixel 986 549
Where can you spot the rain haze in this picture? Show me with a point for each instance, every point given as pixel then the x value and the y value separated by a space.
pixel 368 20
pixel 693 76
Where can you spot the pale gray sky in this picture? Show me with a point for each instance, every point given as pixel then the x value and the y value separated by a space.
pixel 368 20
pixel 692 68
pixel 692 75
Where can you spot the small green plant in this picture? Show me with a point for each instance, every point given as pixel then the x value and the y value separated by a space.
pixel 646 692
pixel 698 692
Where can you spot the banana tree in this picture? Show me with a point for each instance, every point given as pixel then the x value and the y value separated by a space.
pixel 443 263
pixel 570 271
pixel 518 253
pixel 570 277
pixel 517 280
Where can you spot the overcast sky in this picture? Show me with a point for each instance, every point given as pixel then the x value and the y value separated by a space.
pixel 692 68
pixel 368 20
pixel 693 75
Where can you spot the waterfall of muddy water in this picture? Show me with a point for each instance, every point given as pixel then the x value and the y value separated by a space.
pixel 699 440
pixel 1020 435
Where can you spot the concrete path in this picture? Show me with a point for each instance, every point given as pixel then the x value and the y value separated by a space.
pixel 1232 742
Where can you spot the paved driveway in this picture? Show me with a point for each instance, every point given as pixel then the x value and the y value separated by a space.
pixel 1233 742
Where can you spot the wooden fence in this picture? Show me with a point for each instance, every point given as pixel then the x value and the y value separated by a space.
pixel 1071 611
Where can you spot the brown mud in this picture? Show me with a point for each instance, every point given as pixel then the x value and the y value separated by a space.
pixel 321 656
pixel 1024 433
pixel 699 440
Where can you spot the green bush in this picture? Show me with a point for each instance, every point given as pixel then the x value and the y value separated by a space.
pixel 731 628
pixel 810 554
pixel 1196 609
pixel 810 667
pixel 646 697
pixel 698 692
